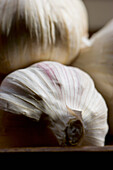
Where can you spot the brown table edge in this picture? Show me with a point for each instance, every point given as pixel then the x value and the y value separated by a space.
pixel 58 149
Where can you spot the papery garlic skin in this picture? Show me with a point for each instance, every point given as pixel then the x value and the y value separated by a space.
pixel 37 30
pixel 62 93
pixel 97 60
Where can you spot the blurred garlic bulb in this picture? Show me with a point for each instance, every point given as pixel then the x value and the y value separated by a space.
pixel 77 113
pixel 37 30
pixel 97 60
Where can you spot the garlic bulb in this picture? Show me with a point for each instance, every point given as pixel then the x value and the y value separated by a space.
pixel 37 30
pixel 76 112
pixel 97 60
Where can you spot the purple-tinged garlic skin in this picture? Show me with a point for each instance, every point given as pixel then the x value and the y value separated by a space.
pixel 76 111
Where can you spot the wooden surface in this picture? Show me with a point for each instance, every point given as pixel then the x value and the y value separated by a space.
pixel 57 149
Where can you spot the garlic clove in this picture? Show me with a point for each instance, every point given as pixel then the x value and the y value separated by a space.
pixel 39 30
pixel 76 112
pixel 97 60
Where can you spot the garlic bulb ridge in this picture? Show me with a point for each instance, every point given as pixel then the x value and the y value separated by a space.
pixel 67 96
pixel 37 30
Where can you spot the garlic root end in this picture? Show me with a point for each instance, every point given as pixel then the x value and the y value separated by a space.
pixel 68 129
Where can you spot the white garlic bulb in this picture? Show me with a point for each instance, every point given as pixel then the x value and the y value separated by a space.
pixel 97 60
pixel 65 95
pixel 37 30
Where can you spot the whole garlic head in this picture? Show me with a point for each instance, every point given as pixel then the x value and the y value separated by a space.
pixel 97 60
pixel 67 97
pixel 37 30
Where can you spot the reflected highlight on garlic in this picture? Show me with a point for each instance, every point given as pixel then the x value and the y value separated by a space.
pixel 66 96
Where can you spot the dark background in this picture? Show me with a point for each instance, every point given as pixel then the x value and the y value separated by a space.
pixel 99 12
